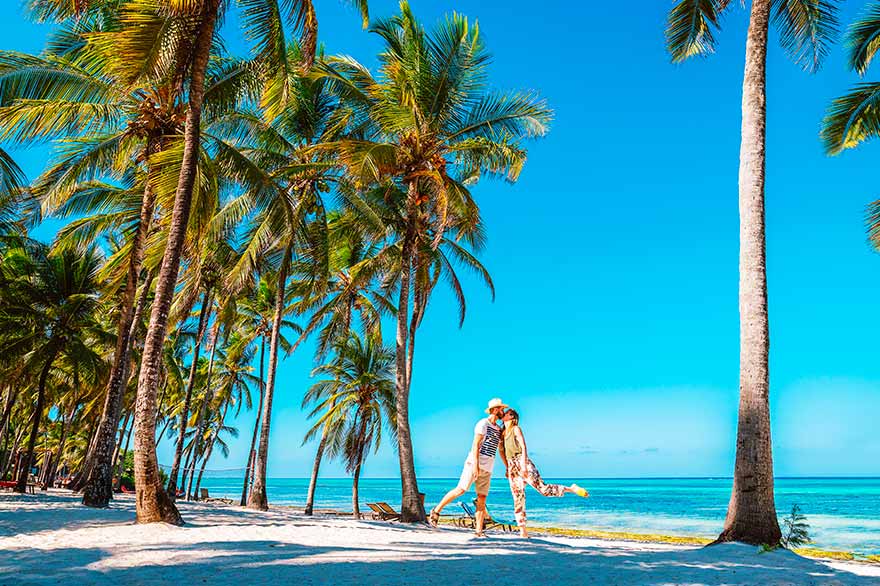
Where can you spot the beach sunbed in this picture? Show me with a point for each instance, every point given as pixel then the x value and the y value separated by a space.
pixel 11 484
pixel 470 521
pixel 204 496
pixel 383 512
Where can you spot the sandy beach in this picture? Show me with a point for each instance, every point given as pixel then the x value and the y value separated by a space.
pixel 50 538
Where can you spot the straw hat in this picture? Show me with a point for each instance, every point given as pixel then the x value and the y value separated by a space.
pixel 496 402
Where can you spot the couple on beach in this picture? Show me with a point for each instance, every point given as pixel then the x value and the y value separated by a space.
pixel 501 430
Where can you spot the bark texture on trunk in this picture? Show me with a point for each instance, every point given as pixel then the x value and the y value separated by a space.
pixel 751 514
pixel 258 499
pixel 98 489
pixel 25 467
pixel 248 472
pixel 187 401
pixel 410 507
pixel 313 483
pixel 153 504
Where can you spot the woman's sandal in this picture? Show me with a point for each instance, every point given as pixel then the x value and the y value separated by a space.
pixel 579 491
pixel 434 518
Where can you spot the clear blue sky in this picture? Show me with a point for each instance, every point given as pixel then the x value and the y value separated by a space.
pixel 615 328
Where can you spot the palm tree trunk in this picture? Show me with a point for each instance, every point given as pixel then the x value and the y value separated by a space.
pixel 258 499
pixel 118 449
pixel 188 483
pixel 5 427
pixel 120 461
pixel 12 462
pixel 98 489
pixel 85 469
pixel 207 457
pixel 362 432
pixel 187 401
pixel 209 396
pixel 62 440
pixel 251 454
pixel 313 483
pixel 410 507
pixel 153 504
pixel 25 467
pixel 751 514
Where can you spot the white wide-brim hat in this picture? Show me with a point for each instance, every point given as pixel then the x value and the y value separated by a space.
pixel 496 402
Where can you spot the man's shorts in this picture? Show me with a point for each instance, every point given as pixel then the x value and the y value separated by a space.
pixel 483 480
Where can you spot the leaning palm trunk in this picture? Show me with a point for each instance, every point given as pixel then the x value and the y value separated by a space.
pixel 251 454
pixel 118 449
pixel 258 498
pixel 355 481
pixel 209 396
pixel 4 425
pixel 153 504
pixel 210 449
pixel 751 514
pixel 25 467
pixel 99 487
pixel 313 483
pixel 187 401
pixel 410 507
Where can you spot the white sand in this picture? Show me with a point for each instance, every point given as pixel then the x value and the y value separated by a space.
pixel 50 539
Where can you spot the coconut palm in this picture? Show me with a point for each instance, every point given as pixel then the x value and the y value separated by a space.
pixel 430 124
pixel 338 297
pixel 254 322
pixel 48 315
pixel 806 30
pixel 353 403
pixel 853 118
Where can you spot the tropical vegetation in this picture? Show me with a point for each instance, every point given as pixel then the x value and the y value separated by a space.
pixel 220 212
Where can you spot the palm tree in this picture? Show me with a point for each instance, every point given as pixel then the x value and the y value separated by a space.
pixel 433 125
pixel 354 402
pixel 47 314
pixel 806 30
pixel 339 296
pixel 254 323
pixel 853 118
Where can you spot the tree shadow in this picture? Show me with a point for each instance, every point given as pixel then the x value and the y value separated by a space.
pixel 283 548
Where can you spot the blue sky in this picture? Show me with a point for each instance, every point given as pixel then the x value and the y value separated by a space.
pixel 615 327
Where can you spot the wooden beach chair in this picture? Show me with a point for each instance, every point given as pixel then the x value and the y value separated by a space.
pixel 383 512
pixel 204 496
pixel 470 522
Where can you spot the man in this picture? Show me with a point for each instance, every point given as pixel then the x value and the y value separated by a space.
pixel 478 466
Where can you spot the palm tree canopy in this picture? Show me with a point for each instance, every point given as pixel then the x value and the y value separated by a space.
pixel 807 28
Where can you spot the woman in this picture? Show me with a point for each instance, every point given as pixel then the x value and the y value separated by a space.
pixel 521 470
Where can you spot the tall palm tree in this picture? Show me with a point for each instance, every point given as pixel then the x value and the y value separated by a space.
pixel 48 314
pixel 153 504
pixel 254 323
pixel 853 118
pixel 430 124
pixel 354 402
pixel 338 297
pixel 806 30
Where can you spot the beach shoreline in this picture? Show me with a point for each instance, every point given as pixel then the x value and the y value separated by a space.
pixel 50 537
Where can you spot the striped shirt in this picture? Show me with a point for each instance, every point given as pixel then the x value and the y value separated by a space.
pixel 491 437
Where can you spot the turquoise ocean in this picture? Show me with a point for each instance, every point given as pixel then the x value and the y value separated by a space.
pixel 844 513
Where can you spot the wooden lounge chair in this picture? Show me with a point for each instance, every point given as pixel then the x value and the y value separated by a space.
pixel 470 521
pixel 383 512
pixel 204 496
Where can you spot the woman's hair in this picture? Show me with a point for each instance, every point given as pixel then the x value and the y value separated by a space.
pixel 513 413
